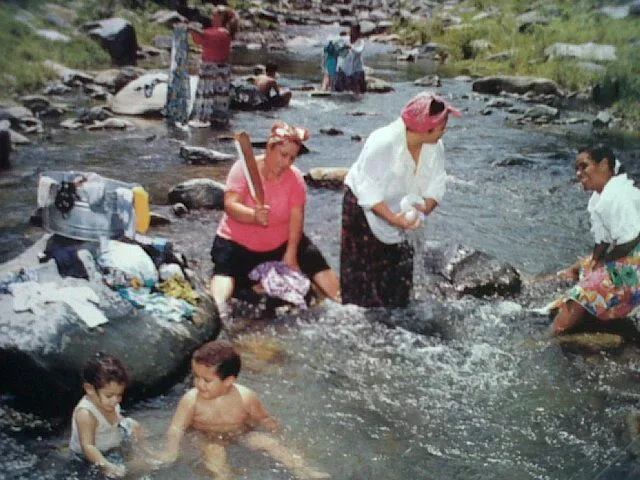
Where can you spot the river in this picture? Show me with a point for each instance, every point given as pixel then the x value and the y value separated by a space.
pixel 482 398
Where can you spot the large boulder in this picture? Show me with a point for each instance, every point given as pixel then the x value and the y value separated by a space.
pixel 198 193
pixel 515 84
pixel 456 270
pixel 43 353
pixel 118 38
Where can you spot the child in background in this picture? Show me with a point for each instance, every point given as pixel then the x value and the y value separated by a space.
pixel 225 411
pixel 97 427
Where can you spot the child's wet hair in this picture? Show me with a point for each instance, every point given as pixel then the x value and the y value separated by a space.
pixel 219 354
pixel 102 369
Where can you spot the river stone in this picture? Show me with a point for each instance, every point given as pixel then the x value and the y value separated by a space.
pixel 469 272
pixel 591 342
pixel 43 355
pixel 330 178
pixel 198 193
pixel 515 84
pixel 204 156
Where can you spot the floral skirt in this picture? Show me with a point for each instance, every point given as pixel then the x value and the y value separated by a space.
pixel 212 95
pixel 372 273
pixel 612 291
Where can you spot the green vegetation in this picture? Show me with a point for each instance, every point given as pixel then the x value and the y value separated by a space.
pixel 569 21
pixel 21 64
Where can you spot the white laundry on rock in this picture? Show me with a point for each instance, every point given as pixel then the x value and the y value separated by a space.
pixel 32 296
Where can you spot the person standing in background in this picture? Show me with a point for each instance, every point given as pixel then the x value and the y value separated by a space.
pixel 211 106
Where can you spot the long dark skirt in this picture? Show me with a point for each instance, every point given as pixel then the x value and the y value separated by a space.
pixel 372 273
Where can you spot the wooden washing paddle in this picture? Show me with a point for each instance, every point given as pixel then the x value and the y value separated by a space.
pixel 249 165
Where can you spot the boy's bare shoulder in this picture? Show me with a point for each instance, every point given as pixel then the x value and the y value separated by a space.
pixel 190 396
pixel 246 393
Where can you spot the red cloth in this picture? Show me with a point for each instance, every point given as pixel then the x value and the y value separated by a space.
pixel 216 44
pixel 416 113
pixel 282 195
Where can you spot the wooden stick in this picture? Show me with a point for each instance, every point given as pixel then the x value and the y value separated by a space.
pixel 245 152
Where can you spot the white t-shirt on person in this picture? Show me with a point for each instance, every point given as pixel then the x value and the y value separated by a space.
pixel 385 172
pixel 108 435
pixel 615 212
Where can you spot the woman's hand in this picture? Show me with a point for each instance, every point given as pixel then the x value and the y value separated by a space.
pixel 261 215
pixel 400 220
pixel 114 471
pixel 290 258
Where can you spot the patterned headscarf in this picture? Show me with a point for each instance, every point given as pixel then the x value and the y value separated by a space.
pixel 416 113
pixel 281 132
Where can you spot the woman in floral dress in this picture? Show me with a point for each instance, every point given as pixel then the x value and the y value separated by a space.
pixel 608 282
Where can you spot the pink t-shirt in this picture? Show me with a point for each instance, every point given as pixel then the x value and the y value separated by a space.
pixel 281 195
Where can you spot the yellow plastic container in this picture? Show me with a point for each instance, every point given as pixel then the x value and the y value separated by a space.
pixel 141 207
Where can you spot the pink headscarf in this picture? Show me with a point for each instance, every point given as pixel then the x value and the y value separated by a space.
pixel 415 113
pixel 281 132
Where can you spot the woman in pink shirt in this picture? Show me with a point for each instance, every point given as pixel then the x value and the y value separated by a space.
pixel 250 234
pixel 211 106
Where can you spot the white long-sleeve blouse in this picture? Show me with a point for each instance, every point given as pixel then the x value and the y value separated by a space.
pixel 385 172
pixel 615 212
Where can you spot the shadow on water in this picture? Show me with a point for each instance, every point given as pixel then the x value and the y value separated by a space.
pixel 383 394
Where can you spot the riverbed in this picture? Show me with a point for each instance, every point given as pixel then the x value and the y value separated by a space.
pixel 484 398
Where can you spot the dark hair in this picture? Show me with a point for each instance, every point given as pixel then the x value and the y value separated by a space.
pixel 102 369
pixel 600 152
pixel 270 68
pixel 219 354
pixel 436 107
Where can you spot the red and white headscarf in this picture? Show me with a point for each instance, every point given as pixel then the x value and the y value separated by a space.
pixel 415 113
pixel 281 132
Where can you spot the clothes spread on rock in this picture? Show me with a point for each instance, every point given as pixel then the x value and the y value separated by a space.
pixel 32 296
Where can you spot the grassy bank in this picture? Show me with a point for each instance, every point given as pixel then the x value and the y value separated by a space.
pixel 573 22
pixel 21 64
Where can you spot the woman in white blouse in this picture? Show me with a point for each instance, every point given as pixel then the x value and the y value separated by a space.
pixel 401 163
pixel 608 280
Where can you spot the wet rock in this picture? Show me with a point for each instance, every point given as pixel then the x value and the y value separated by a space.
pixel 35 103
pixel 466 271
pixel 180 209
pixel 432 81
pixel 330 178
pixel 158 220
pixel 198 193
pixel 515 84
pixel 43 354
pixel 68 76
pixel 204 156
pixel 591 342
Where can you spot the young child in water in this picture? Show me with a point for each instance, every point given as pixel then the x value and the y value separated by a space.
pixel 224 411
pixel 97 426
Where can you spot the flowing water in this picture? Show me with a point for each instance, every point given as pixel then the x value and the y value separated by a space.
pixel 480 398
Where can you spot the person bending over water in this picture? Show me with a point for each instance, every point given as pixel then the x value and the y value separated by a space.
pixel 224 411
pixel 267 83
pixel 608 280
pixel 404 159
pixel 250 234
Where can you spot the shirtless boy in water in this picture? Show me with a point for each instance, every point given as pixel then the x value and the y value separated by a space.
pixel 225 411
